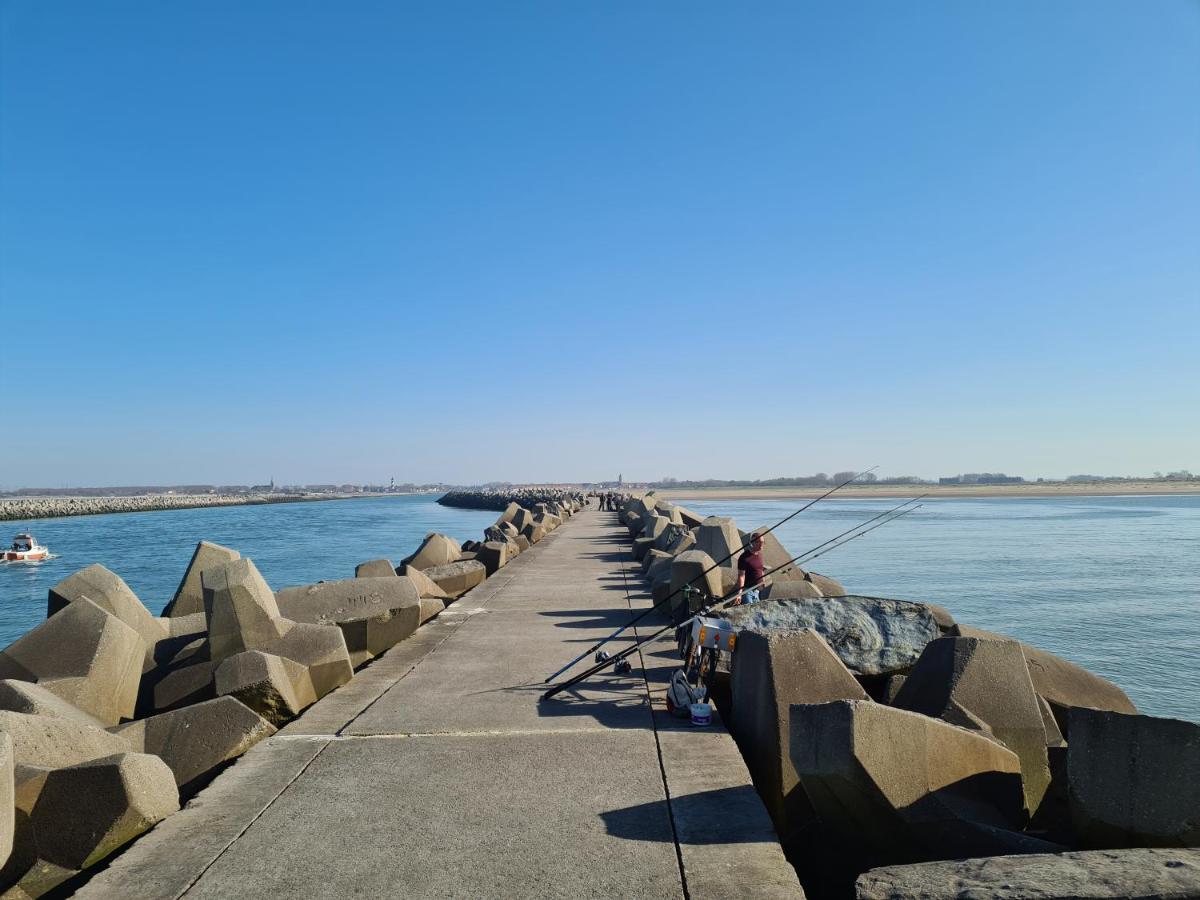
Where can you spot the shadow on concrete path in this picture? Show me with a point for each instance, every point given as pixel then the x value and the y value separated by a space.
pixel 696 818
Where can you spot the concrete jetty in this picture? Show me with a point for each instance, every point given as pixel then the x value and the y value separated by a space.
pixel 437 771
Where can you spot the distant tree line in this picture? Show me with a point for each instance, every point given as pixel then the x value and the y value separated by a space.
pixel 820 479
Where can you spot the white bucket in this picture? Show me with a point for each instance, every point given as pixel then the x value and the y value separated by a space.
pixel 701 714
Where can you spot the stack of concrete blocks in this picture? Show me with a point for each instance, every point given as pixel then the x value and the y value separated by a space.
pixel 883 735
pixel 109 714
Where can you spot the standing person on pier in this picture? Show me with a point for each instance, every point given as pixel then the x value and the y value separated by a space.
pixel 750 572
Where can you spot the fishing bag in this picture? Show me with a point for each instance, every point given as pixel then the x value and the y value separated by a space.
pixel 681 696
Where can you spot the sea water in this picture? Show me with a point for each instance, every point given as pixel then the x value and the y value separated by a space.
pixel 290 543
pixel 1110 583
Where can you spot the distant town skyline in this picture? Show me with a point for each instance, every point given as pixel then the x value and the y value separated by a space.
pixel 537 241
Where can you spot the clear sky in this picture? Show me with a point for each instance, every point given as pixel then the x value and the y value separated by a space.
pixel 557 241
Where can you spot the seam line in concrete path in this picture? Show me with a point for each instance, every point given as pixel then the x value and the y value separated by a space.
pixel 455 625
pixel 662 767
pixel 212 862
pixel 394 735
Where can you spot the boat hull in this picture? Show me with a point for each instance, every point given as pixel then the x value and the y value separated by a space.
pixel 24 555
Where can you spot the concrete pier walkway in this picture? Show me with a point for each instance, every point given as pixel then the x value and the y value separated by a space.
pixel 438 773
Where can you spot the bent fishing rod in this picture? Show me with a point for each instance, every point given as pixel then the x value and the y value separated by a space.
pixel 717 564
pixel 716 604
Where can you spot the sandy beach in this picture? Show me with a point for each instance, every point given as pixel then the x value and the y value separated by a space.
pixel 942 491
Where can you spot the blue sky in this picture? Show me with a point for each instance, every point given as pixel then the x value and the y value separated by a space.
pixel 526 241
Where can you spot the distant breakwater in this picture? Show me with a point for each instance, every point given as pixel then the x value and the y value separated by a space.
pixel 21 508
pixel 500 500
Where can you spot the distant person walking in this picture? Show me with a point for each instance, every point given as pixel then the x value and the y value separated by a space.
pixel 750 572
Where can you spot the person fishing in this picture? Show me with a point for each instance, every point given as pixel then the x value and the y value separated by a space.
pixel 750 572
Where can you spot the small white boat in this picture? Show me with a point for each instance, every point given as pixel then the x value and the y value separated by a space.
pixel 24 549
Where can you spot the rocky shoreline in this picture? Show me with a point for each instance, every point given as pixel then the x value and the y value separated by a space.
pixel 22 508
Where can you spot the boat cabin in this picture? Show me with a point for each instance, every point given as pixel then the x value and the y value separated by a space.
pixel 23 543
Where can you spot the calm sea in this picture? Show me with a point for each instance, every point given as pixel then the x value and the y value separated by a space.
pixel 290 543
pixel 1111 583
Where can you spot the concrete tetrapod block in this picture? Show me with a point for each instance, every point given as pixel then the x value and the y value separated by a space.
pixel 719 537
pixel 108 591
pixel 685 540
pixel 1092 874
pixel 189 596
pixel 794 589
pixel 967 680
pixel 495 555
pixel 634 523
pixel 772 671
pixel 549 521
pixel 196 740
pixel 670 536
pixel 375 568
pixel 777 559
pixel 641 547
pixel 654 556
pixel 1133 780
pixel 373 613
pixel 654 527
pixel 84 655
pixel 241 608
pixel 55 743
pixel 521 520
pixel 435 550
pixel 871 635
pixel 321 649
pixel 907 786
pixel 185 685
pixel 458 578
pixel 7 798
pixel 695 568
pixel 430 607
pixel 19 874
pixel 826 585
pixel 533 532
pixel 1062 683
pixel 190 626
pixel 126 794
pixel 34 700
pixel 510 513
pixel 276 688
pixel 426 586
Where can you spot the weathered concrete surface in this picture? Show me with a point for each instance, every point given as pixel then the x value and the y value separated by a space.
pixel 110 592
pixel 1134 781
pixel 189 596
pixel 86 656
pixel 983 685
pixel 436 772
pixel 374 613
pixel 1088 875
pixel 772 671
pixel 1063 684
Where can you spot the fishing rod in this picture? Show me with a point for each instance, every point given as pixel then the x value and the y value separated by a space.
pixel 717 564
pixel 806 557
pixel 716 604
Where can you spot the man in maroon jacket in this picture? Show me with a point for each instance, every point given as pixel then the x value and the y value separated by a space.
pixel 750 572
